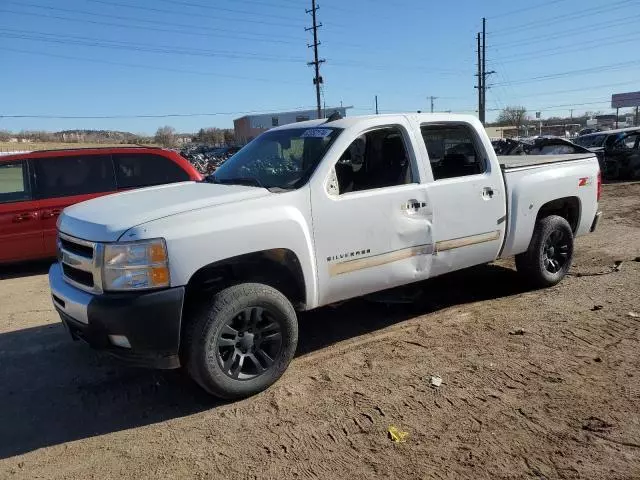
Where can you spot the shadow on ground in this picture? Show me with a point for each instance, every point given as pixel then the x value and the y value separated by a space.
pixel 27 269
pixel 54 390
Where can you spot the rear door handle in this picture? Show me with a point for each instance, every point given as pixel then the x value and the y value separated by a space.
pixel 23 217
pixel 487 192
pixel 51 213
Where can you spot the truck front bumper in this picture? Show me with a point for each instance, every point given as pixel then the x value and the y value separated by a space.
pixel 141 328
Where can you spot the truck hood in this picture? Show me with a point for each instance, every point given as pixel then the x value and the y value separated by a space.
pixel 106 219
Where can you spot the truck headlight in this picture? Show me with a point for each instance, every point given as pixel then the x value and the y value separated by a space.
pixel 135 265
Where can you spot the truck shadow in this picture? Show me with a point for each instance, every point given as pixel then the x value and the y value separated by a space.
pixel 54 391
pixel 25 269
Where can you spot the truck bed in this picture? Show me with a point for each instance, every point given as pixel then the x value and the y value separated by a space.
pixel 509 162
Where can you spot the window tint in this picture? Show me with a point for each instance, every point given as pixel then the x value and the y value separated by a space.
pixel 14 182
pixel 143 170
pixel 376 159
pixel 452 151
pixel 74 175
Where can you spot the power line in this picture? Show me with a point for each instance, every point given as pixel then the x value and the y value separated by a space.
pixel 203 32
pixel 174 12
pixel 526 9
pixel 142 20
pixel 165 115
pixel 585 71
pixel 591 44
pixel 572 17
pixel 153 67
pixel 582 89
pixel 569 33
pixel 166 49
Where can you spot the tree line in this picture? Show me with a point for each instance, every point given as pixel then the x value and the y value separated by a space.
pixel 166 136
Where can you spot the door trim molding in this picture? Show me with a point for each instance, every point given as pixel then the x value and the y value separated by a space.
pixel 378 260
pixel 445 245
pixel 350 266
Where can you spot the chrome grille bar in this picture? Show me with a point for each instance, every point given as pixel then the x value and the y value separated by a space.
pixel 80 260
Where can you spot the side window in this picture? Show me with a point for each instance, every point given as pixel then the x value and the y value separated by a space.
pixel 452 151
pixel 14 182
pixel 74 175
pixel 376 159
pixel 143 170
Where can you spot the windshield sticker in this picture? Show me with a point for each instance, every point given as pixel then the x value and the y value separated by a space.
pixel 316 133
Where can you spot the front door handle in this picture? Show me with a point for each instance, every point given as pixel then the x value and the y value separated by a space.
pixel 51 213
pixel 23 217
pixel 487 193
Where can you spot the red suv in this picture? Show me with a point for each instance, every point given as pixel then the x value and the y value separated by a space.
pixel 35 187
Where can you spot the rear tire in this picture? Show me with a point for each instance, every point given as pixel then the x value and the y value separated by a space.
pixel 550 253
pixel 241 341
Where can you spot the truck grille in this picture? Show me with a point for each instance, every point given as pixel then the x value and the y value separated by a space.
pixel 80 262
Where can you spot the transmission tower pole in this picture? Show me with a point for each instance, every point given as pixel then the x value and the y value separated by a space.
pixel 317 80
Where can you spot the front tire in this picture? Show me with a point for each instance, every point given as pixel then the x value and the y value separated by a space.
pixel 242 341
pixel 550 253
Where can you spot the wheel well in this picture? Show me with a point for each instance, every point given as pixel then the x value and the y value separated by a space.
pixel 567 208
pixel 278 268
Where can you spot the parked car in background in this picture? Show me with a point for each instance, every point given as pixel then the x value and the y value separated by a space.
pixel 588 130
pixel 537 146
pixel 618 152
pixel 35 188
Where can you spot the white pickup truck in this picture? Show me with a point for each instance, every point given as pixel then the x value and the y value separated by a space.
pixel 209 275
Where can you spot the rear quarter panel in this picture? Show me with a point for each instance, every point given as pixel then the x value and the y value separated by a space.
pixel 530 188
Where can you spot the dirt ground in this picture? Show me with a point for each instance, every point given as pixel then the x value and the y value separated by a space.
pixel 560 399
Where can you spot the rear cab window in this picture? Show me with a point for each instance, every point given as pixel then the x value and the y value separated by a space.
pixel 145 169
pixel 453 150
pixel 67 176
pixel 14 182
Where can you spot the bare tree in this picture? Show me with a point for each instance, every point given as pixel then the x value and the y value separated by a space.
pixel 166 136
pixel 512 117
pixel 229 137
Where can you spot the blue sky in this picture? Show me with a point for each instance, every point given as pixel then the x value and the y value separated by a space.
pixel 155 57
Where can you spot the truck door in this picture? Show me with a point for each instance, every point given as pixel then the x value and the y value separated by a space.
pixel 468 196
pixel 371 216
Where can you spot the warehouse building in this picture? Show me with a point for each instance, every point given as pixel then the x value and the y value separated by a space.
pixel 250 126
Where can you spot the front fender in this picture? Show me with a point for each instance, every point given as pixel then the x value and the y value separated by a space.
pixel 201 237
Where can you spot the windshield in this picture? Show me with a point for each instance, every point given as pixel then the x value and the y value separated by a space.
pixel 591 141
pixel 283 159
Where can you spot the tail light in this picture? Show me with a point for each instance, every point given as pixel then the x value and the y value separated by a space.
pixel 599 184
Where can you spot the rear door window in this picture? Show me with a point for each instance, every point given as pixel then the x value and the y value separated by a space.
pixel 452 151
pixel 14 182
pixel 74 175
pixel 143 170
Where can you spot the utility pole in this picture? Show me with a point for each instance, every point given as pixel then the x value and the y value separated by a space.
pixel 376 104
pixel 479 87
pixel 637 124
pixel 317 80
pixel 483 71
pixel 432 98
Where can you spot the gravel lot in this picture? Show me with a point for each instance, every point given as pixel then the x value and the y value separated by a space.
pixel 559 399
